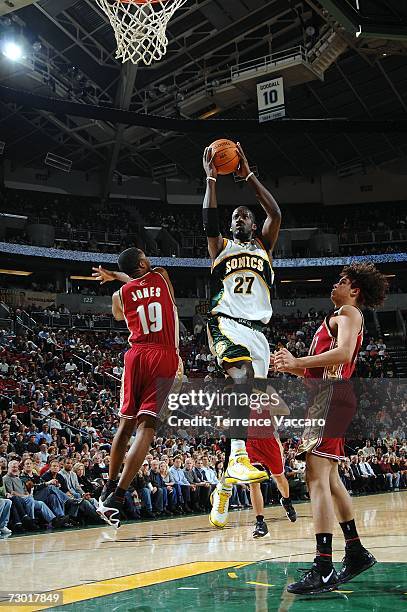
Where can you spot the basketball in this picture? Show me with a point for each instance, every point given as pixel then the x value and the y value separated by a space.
pixel 226 158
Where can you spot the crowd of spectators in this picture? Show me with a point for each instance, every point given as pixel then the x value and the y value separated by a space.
pixel 81 224
pixel 58 414
pixel 381 465
pixel 86 224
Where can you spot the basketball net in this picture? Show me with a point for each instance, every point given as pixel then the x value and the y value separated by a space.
pixel 140 29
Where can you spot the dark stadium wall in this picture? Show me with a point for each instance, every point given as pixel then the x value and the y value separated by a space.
pixel 187 306
pixel 328 189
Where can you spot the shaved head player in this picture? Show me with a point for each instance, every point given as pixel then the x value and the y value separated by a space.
pixel 241 283
pixel 146 303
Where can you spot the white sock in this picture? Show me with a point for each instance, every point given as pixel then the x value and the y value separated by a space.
pixel 237 447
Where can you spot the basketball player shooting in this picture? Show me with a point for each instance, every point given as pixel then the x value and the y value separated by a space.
pixel 146 303
pixel 241 283
pixel 333 354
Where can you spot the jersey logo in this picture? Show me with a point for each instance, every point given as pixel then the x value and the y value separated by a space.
pixel 245 261
pixel 326 578
pixel 220 348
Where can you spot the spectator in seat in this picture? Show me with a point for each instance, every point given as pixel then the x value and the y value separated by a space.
pixel 380 477
pixel 159 484
pixel 70 366
pixel 210 472
pixel 346 475
pixel 99 469
pixel 45 492
pixel 43 455
pixel 204 486
pixel 14 486
pixel 75 490
pixel 184 490
pixel 295 477
pixel 20 445
pixel 193 481
pixel 174 504
pixel 43 435
pixel 5 509
pixel 387 472
pixel 359 482
pixel 368 450
pixel 144 490
pixel 4 366
pixel 367 473
pixel 396 472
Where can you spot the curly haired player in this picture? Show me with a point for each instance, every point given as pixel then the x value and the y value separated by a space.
pixel 333 355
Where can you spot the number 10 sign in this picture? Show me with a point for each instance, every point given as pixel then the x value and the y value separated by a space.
pixel 270 99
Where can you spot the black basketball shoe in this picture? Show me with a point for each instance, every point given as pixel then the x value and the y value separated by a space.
pixel 289 509
pixel 109 488
pixel 260 530
pixel 354 563
pixel 109 510
pixel 314 582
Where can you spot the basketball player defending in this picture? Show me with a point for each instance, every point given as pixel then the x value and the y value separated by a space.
pixel 333 354
pixel 268 453
pixel 241 282
pixel 146 303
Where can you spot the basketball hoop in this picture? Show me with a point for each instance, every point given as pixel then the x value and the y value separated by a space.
pixel 140 27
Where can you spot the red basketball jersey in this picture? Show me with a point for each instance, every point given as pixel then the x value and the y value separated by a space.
pixel 149 310
pixel 324 340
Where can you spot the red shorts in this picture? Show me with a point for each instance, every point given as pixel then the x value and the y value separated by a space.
pixel 148 371
pixel 268 452
pixel 331 448
pixel 336 404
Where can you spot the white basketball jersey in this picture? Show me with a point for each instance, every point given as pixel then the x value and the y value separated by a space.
pixel 241 282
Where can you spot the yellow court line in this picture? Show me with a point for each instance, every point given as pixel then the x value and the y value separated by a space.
pixel 125 583
pixel 232 575
pixel 260 583
pixel 245 564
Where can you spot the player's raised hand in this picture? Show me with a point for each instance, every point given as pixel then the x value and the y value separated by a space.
pixel 243 168
pixel 284 361
pixel 102 275
pixel 272 364
pixel 208 164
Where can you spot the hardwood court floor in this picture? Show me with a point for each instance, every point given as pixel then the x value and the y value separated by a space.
pixel 184 564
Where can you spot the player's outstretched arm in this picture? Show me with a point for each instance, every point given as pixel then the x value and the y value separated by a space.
pixel 271 226
pixel 348 326
pixel 210 214
pixel 117 309
pixel 105 276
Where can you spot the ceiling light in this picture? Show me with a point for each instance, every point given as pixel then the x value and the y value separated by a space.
pixel 16 272
pixel 303 280
pixel 210 113
pixel 87 278
pixel 12 50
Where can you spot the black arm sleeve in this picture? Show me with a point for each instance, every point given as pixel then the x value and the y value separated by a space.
pixel 210 218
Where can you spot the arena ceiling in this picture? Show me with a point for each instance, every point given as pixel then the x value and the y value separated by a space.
pixel 70 54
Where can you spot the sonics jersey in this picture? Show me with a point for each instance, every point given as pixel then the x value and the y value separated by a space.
pixel 241 281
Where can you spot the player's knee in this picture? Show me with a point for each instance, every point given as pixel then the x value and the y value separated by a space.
pixel 241 371
pixel 147 421
pixel 126 426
